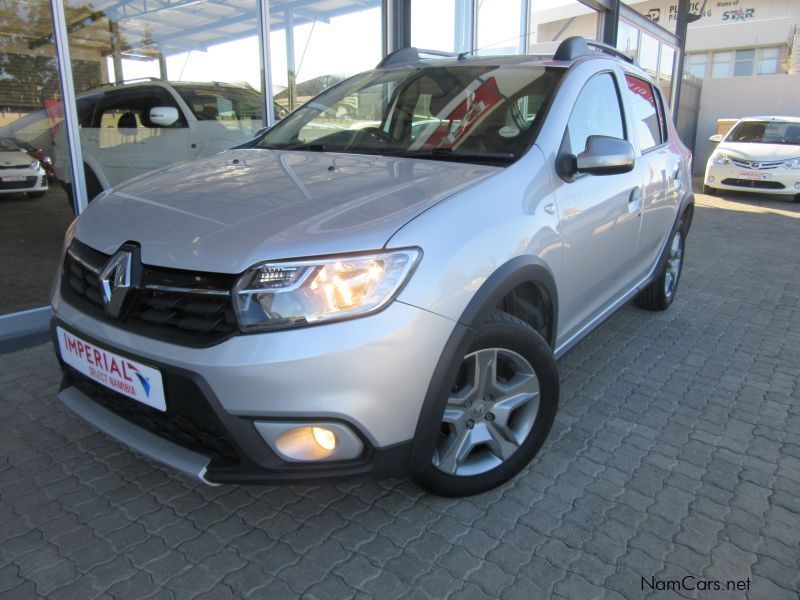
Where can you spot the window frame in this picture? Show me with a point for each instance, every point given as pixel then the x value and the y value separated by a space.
pixel 661 113
pixel 623 111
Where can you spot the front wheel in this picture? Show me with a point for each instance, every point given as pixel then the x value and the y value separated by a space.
pixel 35 194
pixel 499 410
pixel 708 190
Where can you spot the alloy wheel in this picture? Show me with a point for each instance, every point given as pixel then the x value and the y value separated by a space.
pixel 674 261
pixel 490 411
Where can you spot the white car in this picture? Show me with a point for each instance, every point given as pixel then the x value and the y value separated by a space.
pixel 20 173
pixel 131 128
pixel 759 154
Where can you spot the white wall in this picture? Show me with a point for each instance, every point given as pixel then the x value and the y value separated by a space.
pixel 736 97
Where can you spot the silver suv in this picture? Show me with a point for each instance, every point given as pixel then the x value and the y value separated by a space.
pixel 382 283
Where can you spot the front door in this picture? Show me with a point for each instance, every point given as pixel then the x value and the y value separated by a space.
pixel 600 214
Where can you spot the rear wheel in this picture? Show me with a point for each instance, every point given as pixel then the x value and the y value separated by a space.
pixel 499 410
pixel 660 293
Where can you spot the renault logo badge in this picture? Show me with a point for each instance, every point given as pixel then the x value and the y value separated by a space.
pixel 115 281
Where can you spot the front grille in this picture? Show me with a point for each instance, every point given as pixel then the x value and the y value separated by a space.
pixel 193 426
pixel 181 307
pixel 25 166
pixel 28 182
pixel 757 164
pixel 754 183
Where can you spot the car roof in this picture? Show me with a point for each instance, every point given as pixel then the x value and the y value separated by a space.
pixel 151 81
pixel 772 118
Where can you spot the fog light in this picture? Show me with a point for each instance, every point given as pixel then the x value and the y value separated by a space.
pixel 797 185
pixel 302 442
pixel 324 437
pixel 710 178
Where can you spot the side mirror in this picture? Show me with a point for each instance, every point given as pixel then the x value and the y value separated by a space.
pixel 716 138
pixel 164 116
pixel 605 155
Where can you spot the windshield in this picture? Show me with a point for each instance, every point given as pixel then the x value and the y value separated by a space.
pixel 472 113
pixel 765 132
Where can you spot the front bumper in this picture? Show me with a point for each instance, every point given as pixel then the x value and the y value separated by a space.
pixel 777 180
pixel 33 181
pixel 370 373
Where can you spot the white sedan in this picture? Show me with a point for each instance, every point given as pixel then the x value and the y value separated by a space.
pixel 760 154
pixel 20 173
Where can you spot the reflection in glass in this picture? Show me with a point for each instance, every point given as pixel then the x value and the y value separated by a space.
pixel 552 21
pixel 318 44
pixel 35 210
pixel 499 27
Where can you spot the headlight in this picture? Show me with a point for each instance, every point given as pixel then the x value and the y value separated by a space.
pixel 277 295
pixel 34 165
pixel 792 164
pixel 720 159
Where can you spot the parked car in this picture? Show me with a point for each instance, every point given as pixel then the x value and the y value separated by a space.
pixel 130 128
pixel 759 154
pixel 372 301
pixel 20 173
pixel 39 154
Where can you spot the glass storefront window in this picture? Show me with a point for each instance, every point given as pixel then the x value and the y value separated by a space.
pixel 628 39
pixel 552 21
pixel 648 54
pixel 321 47
pixel 433 25
pixel 500 27
pixel 666 66
pixel 160 83
pixel 36 211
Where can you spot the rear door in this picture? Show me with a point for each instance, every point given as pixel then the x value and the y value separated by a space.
pixel 599 214
pixel 659 167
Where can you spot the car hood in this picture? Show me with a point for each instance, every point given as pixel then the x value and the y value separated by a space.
pixel 226 212
pixel 764 152
pixel 14 158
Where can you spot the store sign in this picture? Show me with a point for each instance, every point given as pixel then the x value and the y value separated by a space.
pixel 710 11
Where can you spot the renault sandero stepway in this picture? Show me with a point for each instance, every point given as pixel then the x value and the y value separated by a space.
pixel 381 284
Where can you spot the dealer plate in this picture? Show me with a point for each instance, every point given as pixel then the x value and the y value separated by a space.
pixel 123 375
pixel 14 178
pixel 753 175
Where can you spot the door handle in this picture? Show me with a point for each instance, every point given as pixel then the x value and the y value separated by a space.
pixel 635 201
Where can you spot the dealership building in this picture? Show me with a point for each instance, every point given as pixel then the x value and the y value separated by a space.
pixel 75 77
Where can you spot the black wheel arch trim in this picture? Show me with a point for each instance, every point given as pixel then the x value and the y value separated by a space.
pixel 518 270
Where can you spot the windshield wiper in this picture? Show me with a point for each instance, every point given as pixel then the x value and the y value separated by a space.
pixel 450 154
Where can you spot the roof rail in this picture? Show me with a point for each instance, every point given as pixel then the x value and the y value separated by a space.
pixel 575 47
pixel 127 81
pixel 410 55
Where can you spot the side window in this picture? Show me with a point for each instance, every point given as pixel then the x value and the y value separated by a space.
pixel 645 114
pixel 123 116
pixel 596 112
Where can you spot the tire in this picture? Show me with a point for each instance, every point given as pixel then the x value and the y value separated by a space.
pixel 35 194
pixel 709 191
pixel 797 198
pixel 500 444
pixel 660 292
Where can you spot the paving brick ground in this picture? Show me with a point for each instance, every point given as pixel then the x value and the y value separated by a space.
pixel 676 452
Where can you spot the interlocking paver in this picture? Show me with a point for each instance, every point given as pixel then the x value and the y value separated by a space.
pixel 676 452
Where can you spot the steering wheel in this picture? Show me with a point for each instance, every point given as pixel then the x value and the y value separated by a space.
pixel 378 134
